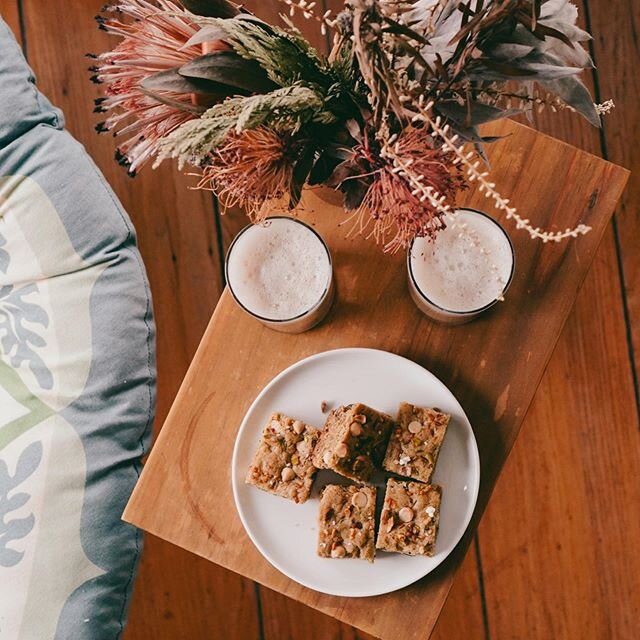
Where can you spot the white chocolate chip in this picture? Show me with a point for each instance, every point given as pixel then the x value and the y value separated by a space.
pixel 342 450
pixel 327 457
pixel 298 427
pixel 414 427
pixel 338 552
pixel 303 448
pixel 405 514
pixel 288 474
pixel 356 429
pixel 360 499
pixel 349 546
pixel 404 460
pixel 431 511
pixel 359 417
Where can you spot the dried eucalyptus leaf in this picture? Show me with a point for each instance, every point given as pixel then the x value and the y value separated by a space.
pixel 228 68
pixel 510 51
pixel 496 71
pixel 474 114
pixel 354 129
pixel 572 91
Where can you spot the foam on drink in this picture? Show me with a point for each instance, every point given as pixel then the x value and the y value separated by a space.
pixel 278 270
pixel 454 273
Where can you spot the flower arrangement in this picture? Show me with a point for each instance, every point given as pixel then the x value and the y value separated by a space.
pixel 391 118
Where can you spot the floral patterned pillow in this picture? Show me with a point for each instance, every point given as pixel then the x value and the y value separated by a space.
pixel 77 376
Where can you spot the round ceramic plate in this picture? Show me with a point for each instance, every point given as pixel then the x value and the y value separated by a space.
pixel 286 533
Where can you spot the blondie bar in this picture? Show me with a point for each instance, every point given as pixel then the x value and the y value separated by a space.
pixel 353 441
pixel 347 522
pixel 415 442
pixel 282 464
pixel 410 517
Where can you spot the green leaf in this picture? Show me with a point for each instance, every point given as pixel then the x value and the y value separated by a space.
pixel 286 57
pixel 211 8
pixel 228 68
pixel 172 80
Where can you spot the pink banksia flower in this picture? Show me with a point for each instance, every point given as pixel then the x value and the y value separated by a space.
pixel 252 169
pixel 154 36
pixel 393 210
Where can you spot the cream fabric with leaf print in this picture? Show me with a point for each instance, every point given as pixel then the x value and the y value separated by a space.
pixel 77 376
pixel 43 368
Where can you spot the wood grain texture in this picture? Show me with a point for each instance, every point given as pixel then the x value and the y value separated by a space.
pixel 493 366
pixel 616 49
pixel 545 514
pixel 177 236
pixel 559 535
pixel 286 619
pixel 181 595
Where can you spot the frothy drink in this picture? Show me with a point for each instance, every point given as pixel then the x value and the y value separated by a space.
pixel 279 270
pixel 467 267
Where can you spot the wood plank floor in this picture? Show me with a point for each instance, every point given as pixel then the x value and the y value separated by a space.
pixel 556 553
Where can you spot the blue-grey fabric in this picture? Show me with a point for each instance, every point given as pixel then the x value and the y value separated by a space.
pixel 77 376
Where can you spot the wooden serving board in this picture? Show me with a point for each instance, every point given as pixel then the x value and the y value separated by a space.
pixel 492 365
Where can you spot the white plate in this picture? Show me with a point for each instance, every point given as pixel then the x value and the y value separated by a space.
pixel 285 533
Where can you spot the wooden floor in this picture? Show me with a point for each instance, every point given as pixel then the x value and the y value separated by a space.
pixel 556 555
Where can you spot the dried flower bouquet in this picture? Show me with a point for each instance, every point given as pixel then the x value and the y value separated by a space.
pixel 391 118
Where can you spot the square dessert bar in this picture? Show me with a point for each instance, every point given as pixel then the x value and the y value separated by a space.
pixel 347 522
pixel 353 441
pixel 282 464
pixel 415 442
pixel 410 517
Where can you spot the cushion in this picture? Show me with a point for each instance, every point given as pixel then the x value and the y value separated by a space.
pixel 77 376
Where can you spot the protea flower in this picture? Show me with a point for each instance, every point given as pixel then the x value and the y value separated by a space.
pixel 164 72
pixel 152 42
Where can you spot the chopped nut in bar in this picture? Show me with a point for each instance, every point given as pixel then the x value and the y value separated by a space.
pixel 282 464
pixel 347 522
pixel 410 517
pixel 353 441
pixel 415 442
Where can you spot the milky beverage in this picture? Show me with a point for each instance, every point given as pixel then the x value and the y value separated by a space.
pixel 453 273
pixel 278 270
